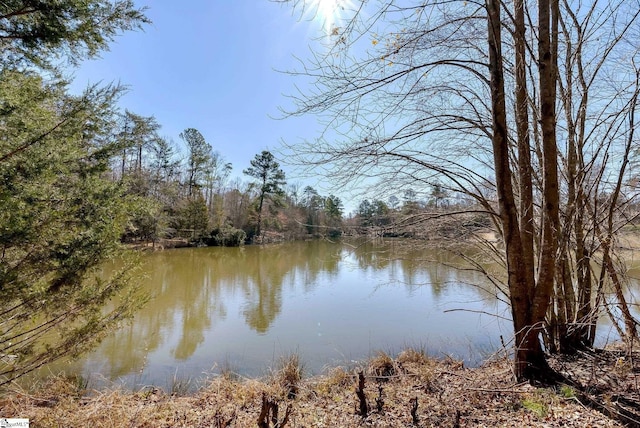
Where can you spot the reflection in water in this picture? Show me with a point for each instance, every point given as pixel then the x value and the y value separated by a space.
pixel 331 302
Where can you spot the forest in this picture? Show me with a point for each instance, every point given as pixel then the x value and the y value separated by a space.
pixel 186 196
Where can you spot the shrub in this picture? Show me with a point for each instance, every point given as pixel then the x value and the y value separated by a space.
pixel 227 237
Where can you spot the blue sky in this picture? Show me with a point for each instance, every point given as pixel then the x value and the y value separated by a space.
pixel 212 65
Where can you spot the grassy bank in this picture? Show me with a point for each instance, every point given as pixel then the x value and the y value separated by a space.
pixel 411 390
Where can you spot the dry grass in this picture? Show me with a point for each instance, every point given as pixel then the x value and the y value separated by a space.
pixel 446 393
pixel 413 356
pixel 289 374
pixel 382 367
pixel 181 385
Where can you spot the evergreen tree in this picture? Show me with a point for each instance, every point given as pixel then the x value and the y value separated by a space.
pixel 199 158
pixel 365 213
pixel 333 207
pixel 140 133
pixel 334 210
pixel 60 221
pixel 60 217
pixel 40 31
pixel 163 160
pixel 313 203
pixel 270 177
pixel 439 195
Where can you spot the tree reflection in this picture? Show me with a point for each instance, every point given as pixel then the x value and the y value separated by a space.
pixel 418 264
pixel 192 290
pixel 270 267
pixel 265 276
pixel 188 288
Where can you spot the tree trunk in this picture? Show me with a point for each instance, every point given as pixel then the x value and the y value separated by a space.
pixel 259 226
pixel 550 192
pixel 527 229
pixel 578 307
pixel 124 160
pixel 529 362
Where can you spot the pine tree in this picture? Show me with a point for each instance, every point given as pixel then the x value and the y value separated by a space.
pixel 270 177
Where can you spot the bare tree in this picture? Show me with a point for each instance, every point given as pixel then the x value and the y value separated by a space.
pixel 478 96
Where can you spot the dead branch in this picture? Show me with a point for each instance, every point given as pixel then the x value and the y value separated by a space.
pixel 380 400
pixel 269 412
pixel 362 398
pixel 414 410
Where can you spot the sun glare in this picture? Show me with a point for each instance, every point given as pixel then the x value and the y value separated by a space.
pixel 328 12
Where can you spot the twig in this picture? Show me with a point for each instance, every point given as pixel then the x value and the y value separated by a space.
pixel 414 410
pixel 500 391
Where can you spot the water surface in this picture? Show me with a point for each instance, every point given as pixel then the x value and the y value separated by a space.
pixel 334 303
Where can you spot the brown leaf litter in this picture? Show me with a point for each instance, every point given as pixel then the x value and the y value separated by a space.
pixel 409 391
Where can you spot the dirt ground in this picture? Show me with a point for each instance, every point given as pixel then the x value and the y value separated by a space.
pixel 409 391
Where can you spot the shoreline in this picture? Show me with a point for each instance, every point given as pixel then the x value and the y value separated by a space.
pixel 446 392
pixel 411 390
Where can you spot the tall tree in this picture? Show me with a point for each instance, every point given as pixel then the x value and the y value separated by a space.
pixel 270 178
pixel 439 195
pixel 199 157
pixel 60 218
pixel 313 204
pixel 334 210
pixel 164 164
pixel 333 207
pixel 217 173
pixel 139 132
pixel 237 201
pixel 529 302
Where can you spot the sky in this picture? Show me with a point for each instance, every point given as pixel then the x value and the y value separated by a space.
pixel 215 65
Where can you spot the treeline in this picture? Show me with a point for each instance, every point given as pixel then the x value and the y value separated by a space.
pixel 187 195
pixel 434 213
pixel 378 212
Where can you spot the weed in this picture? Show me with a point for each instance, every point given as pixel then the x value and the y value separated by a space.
pixel 180 386
pixel 411 355
pixel 77 384
pixel 535 406
pixel 340 378
pixel 416 362
pixel 69 385
pixel 289 374
pixel 382 366
pixel 337 379
pixel 567 392
pixel 228 372
pixel 622 367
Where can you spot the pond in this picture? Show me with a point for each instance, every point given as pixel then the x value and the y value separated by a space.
pixel 333 303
